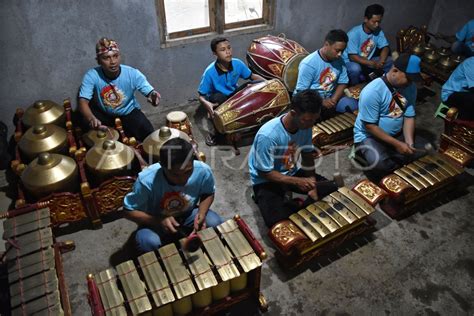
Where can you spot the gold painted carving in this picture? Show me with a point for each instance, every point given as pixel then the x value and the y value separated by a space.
pixel 110 196
pixel 394 183
pixel 285 233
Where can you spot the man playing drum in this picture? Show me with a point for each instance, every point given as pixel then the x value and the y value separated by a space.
pixel 274 155
pixel 108 91
pixel 177 191
pixel 384 131
pixel 325 71
pixel 220 79
pixel 364 40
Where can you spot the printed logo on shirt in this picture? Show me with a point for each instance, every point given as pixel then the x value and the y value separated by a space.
pixel 289 157
pixel 394 111
pixel 327 79
pixel 367 47
pixel 174 203
pixel 112 96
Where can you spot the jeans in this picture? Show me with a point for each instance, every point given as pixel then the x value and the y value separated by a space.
pixel 461 48
pixel 358 73
pixel 383 159
pixel 270 198
pixel 347 104
pixel 148 239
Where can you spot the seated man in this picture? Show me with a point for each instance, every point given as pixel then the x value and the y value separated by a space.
pixel 464 44
pixel 387 108
pixel 274 155
pixel 219 80
pixel 325 71
pixel 177 191
pixel 458 91
pixel 108 91
pixel 364 39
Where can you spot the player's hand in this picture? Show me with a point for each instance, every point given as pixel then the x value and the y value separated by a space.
pixel 305 184
pixel 154 98
pixel 94 123
pixel 404 148
pixel 169 224
pixel 199 223
pixel 329 103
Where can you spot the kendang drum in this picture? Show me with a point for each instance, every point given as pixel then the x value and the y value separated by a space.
pixel 251 107
pixel 179 120
pixel 325 224
pixel 173 281
pixel 276 57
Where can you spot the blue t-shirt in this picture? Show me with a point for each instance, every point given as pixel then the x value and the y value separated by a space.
pixel 115 97
pixel 466 34
pixel 215 80
pixel 317 74
pixel 377 106
pixel 153 194
pixel 363 44
pixel 460 80
pixel 274 148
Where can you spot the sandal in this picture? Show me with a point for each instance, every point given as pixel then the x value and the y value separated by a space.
pixel 211 140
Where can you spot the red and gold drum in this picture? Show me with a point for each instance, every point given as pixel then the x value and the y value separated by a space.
pixel 251 107
pixel 276 57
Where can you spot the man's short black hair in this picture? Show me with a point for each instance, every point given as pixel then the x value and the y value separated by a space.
pixel 216 41
pixel 175 152
pixel 306 101
pixel 373 9
pixel 336 36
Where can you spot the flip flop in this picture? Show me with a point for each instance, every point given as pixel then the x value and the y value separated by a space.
pixel 210 140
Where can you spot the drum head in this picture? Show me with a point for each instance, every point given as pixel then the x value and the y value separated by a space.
pixel 290 73
pixel 176 116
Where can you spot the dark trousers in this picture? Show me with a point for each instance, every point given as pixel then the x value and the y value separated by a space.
pixel 464 102
pixel 270 198
pixel 383 159
pixel 135 124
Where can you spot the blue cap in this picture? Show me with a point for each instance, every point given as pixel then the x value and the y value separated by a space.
pixel 410 65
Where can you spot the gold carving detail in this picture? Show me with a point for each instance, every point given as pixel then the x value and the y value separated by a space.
pixel 369 190
pixel 277 69
pixel 458 155
pixel 66 208
pixel 109 197
pixel 286 54
pixel 286 232
pixel 394 183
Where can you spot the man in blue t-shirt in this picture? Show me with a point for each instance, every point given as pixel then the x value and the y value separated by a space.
pixel 364 41
pixel 219 80
pixel 384 131
pixel 464 44
pixel 325 71
pixel 458 91
pixel 107 92
pixel 274 156
pixel 177 191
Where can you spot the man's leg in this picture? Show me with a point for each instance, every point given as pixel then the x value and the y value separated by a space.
pixel 218 98
pixel 464 102
pixel 354 70
pixel 461 48
pixel 324 187
pixel 147 240
pixel 212 219
pixel 346 104
pixel 137 125
pixel 270 199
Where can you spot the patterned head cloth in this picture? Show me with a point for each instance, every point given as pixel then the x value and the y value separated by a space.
pixel 105 45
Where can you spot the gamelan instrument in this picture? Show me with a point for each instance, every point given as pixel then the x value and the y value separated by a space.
pixel 417 182
pixel 179 120
pixel 276 57
pixel 334 133
pixel 44 112
pixel 250 108
pixel 326 224
pixel 457 140
pixel 43 138
pixel 95 137
pixel 171 281
pixel 34 264
pixel 80 184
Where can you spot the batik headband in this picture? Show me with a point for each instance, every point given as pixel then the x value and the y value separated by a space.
pixel 105 45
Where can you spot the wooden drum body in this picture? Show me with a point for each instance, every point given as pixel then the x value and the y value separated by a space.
pixel 179 120
pixel 276 57
pixel 251 107
pixel 415 183
pixel 224 271
pixel 326 224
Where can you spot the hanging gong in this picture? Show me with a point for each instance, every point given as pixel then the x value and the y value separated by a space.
pixel 110 158
pixel 95 137
pixel 50 173
pixel 43 138
pixel 44 112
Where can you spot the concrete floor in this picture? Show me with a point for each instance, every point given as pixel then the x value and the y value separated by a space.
pixel 423 264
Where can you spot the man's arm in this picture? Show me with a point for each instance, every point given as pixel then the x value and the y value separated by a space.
pixel 307 162
pixel 409 130
pixel 168 224
pixel 204 205
pixel 304 184
pixel 339 92
pixel 86 112
pixel 380 134
pixel 208 105
pixel 362 60
pixel 255 77
pixel 384 55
